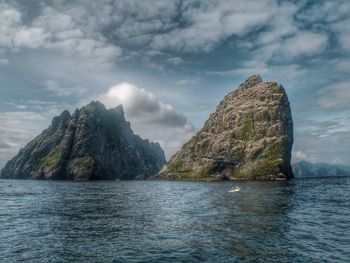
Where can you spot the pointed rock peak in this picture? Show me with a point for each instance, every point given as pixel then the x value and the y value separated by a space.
pixel 65 115
pixel 252 81
pixel 62 118
pixel 249 137
pixel 93 106
pixel 96 104
pixel 119 110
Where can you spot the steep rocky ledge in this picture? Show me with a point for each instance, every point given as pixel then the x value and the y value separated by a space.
pixel 249 137
pixel 92 144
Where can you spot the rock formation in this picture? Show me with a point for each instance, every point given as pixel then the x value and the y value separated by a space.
pixel 249 137
pixel 92 144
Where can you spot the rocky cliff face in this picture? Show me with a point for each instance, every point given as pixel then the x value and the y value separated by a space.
pixel 249 137
pixel 92 144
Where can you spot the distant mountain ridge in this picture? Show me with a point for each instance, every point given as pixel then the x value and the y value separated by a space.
pixel 92 144
pixel 307 169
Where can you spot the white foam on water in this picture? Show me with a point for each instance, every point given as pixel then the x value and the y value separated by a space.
pixel 236 189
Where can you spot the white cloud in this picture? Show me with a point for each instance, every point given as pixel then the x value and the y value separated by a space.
pixel 175 60
pixel 32 37
pixel 54 30
pixel 304 43
pixel 13 34
pixel 300 156
pixel 276 72
pixel 333 15
pixel 325 140
pixel 92 31
pixel 297 44
pixel 342 28
pixel 187 82
pixel 208 23
pixel 282 25
pixel 334 97
pixel 56 89
pixel 150 117
pixel 67 36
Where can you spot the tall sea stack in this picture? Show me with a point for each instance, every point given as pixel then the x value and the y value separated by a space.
pixel 92 144
pixel 249 137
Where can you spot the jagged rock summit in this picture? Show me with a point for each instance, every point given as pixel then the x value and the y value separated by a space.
pixel 249 137
pixel 92 144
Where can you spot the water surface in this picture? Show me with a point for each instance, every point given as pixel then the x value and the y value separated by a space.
pixel 304 220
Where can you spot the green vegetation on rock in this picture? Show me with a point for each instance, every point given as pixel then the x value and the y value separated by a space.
pixel 85 161
pixel 246 133
pixel 48 161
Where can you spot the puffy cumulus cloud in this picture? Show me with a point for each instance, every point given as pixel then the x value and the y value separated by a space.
pixel 96 30
pixel 332 15
pixel 207 23
pixel 150 117
pixel 286 38
pixel 281 25
pixel 54 30
pixel 342 28
pixel 169 24
pixel 71 38
pixel 300 156
pixel 287 48
pixel 328 11
pixel 13 34
pixel 304 43
pixel 185 26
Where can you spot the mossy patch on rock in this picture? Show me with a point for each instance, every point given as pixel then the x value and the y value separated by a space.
pixel 85 161
pixel 47 162
pixel 246 133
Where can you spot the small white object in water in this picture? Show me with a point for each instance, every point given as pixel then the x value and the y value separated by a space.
pixel 236 189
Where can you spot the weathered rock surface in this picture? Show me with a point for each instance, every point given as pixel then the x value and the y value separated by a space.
pixel 92 144
pixel 249 137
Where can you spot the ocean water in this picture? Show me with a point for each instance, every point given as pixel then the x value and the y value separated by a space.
pixel 304 220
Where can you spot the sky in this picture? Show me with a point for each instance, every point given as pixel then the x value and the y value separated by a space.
pixel 170 62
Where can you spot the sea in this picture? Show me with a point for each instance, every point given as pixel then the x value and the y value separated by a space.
pixel 302 220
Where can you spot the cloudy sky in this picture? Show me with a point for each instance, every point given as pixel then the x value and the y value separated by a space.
pixel 170 62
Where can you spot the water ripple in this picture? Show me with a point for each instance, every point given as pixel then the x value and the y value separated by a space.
pixel 298 221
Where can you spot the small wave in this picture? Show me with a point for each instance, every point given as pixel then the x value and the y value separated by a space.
pixel 236 189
